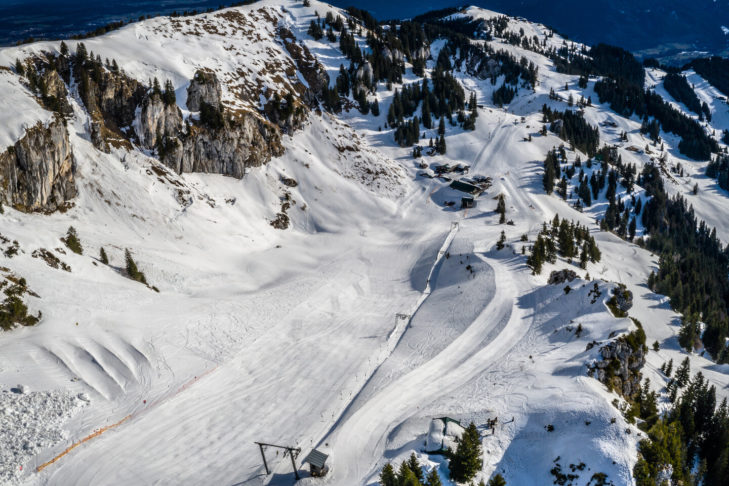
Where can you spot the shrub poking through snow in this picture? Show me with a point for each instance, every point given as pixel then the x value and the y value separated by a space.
pixel 72 242
pixel 13 311
pixel 132 271
pixel 501 241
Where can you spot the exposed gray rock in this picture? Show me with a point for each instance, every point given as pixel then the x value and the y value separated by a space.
pixel 110 97
pixel 561 276
pixel 156 118
pixel 204 87
pixel 56 97
pixel 245 142
pixel 239 143
pixel 620 366
pixel 36 174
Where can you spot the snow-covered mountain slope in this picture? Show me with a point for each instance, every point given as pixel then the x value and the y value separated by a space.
pixel 379 307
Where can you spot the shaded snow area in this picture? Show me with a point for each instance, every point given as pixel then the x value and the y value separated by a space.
pixel 30 422
pixel 379 318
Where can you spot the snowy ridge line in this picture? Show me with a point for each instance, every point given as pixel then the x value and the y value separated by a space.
pixel 399 331
pixel 133 415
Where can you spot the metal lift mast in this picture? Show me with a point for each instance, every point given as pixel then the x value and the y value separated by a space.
pixel 292 451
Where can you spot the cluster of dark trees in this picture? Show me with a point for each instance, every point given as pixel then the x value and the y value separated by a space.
pixel 693 264
pixel 440 98
pixel 622 86
pixel 678 87
pixel 463 463
pixel 168 95
pixel 718 169
pixel 573 128
pixel 504 95
pixel 565 238
pixel 692 437
pixel 410 473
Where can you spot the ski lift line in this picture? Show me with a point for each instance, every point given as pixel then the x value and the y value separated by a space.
pixel 101 430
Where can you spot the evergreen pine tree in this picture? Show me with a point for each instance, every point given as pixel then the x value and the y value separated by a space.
pixel 501 241
pixel 169 97
pixel 441 145
pixel 72 241
pixel 497 480
pixel 64 49
pixel 466 461
pixel 387 476
pixel 683 373
pixel 132 270
pixel 102 256
pixel 406 477
pixel 156 90
pixel 433 479
pixel 81 53
pixel 501 209
pixel 414 466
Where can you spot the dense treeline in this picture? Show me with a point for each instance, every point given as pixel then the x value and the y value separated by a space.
pixel 678 87
pixel 389 45
pixel 622 87
pixel 566 239
pixel 690 443
pixel 629 99
pixel 693 264
pixel 571 126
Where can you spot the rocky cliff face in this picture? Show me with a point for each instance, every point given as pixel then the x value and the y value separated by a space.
pixel 204 88
pixel 111 98
pixel 218 143
pixel 621 363
pixel 246 142
pixel 36 174
pixel 157 118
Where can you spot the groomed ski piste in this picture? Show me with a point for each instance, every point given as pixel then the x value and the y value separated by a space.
pixel 380 309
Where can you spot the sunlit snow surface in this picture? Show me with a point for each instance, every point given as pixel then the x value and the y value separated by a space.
pixel 293 337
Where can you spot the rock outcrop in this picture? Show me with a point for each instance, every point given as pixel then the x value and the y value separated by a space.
pixel 56 95
pixel 111 98
pixel 157 119
pixel 239 144
pixel 621 363
pixel 204 88
pixel 218 143
pixel 621 301
pixel 36 174
pixel 561 276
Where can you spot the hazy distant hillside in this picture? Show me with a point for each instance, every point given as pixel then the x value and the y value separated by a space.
pixel 650 27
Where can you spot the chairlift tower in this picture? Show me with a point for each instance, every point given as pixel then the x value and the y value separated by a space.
pixel 293 453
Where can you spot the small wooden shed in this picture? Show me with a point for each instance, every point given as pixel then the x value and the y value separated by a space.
pixel 468 202
pixel 317 463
